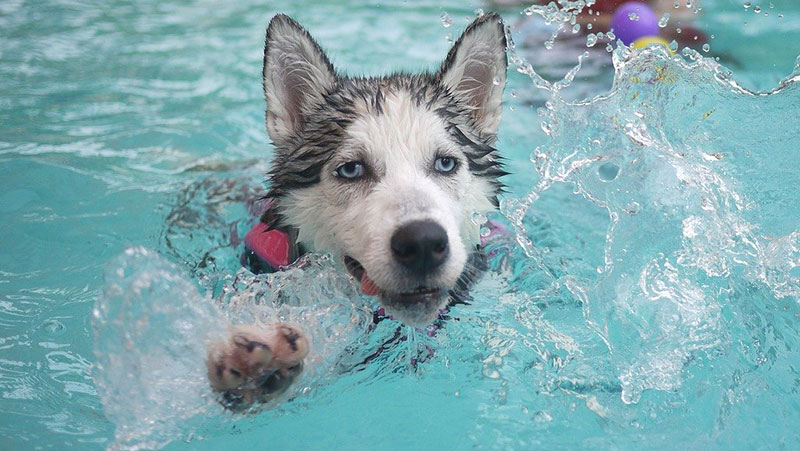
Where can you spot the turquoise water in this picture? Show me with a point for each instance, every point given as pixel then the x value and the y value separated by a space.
pixel 649 296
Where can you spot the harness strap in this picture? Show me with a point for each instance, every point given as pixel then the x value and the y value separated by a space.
pixel 266 250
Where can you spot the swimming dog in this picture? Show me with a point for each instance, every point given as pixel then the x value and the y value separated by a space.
pixel 384 173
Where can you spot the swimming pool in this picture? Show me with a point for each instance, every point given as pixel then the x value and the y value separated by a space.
pixel 648 301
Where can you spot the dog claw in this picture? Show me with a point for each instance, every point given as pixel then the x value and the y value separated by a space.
pixel 256 364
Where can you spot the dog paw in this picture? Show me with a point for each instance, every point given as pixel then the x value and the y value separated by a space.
pixel 256 363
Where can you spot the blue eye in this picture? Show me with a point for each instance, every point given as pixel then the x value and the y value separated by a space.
pixel 350 170
pixel 445 165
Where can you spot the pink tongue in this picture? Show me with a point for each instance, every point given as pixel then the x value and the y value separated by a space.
pixel 368 287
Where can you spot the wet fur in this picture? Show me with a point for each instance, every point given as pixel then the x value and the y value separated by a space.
pixel 397 126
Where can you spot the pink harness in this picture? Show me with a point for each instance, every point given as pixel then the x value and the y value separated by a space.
pixel 269 245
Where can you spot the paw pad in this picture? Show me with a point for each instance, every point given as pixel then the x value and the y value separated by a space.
pixel 256 363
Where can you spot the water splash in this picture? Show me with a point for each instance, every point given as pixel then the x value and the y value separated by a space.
pixel 563 17
pixel 670 154
pixel 152 327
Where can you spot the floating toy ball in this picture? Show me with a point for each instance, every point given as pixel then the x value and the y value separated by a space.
pixel 652 40
pixel 634 20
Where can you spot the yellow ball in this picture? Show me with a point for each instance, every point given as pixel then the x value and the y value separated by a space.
pixel 651 40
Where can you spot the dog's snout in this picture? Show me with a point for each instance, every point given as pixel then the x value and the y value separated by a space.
pixel 420 246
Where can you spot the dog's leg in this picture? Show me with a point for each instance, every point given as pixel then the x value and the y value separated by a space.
pixel 256 363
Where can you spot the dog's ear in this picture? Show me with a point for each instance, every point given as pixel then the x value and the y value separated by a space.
pixel 475 70
pixel 296 73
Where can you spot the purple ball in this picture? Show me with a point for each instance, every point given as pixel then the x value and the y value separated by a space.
pixel 634 20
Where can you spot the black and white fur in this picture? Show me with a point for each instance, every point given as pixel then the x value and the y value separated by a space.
pixel 396 127
pixel 385 173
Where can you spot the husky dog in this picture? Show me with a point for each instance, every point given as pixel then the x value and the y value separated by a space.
pixel 384 173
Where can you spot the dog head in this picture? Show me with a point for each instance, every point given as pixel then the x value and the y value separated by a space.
pixel 387 173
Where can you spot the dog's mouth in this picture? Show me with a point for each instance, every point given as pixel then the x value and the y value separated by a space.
pixel 422 297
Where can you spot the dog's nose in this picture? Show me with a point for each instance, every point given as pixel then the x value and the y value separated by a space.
pixel 420 246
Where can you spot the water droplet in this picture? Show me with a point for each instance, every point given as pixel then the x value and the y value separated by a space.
pixel 608 172
pixel 449 38
pixel 609 48
pixel 677 4
pixel 664 20
pixel 633 208
pixel 478 218
pixel 576 28
pixel 513 93
pixel 479 12
pixel 678 30
pixel 54 327
pixel 633 17
pixel 673 46
pixel 756 9
pixel 688 3
pixel 747 5
pixel 496 81
pixel 591 40
pixel 706 47
pixel 589 26
pixel 446 20
pixel 528 11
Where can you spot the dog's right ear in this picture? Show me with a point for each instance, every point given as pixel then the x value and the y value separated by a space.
pixel 296 73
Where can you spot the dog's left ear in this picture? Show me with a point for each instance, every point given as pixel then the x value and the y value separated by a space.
pixel 475 70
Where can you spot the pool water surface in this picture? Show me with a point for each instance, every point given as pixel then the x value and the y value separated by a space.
pixel 645 297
